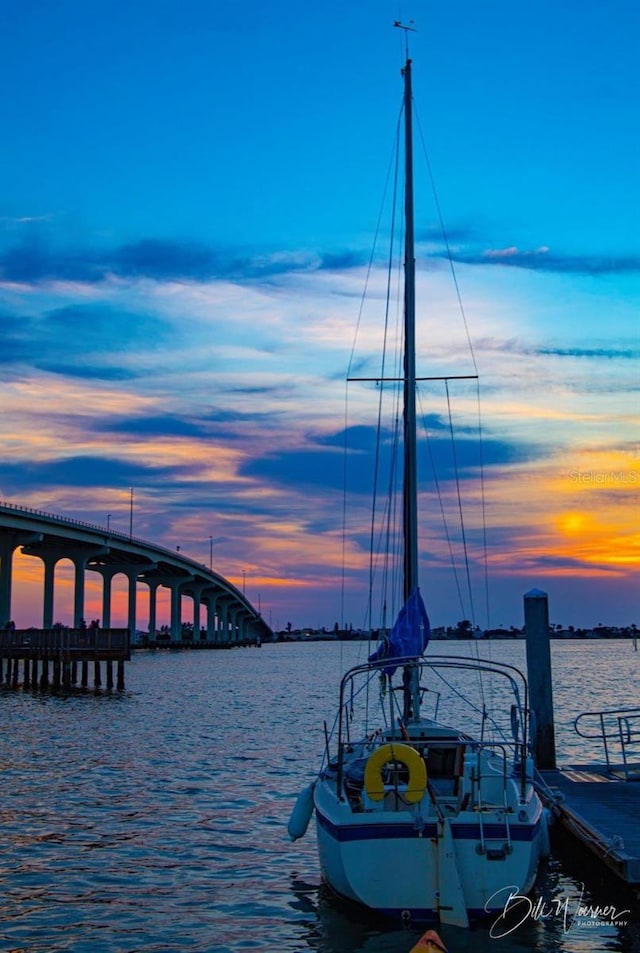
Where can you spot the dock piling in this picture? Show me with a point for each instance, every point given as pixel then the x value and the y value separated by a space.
pixel 536 618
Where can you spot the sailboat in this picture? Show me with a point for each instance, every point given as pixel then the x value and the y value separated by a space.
pixel 418 818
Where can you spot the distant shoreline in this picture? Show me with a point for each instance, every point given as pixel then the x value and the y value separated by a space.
pixel 600 633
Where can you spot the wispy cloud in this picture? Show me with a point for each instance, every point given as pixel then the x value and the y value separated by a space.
pixel 79 340
pixel 158 425
pixel 37 260
pixel 544 259
pixel 518 347
pixel 324 461
pixel 595 353
pixel 26 219
pixel 87 471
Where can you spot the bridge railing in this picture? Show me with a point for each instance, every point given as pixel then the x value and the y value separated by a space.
pixel 56 518
pixel 64 641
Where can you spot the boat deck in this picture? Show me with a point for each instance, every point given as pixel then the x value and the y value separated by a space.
pixel 602 811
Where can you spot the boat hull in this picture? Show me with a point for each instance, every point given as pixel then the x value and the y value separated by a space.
pixel 399 864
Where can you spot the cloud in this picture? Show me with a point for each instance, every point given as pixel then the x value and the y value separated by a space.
pixel 80 471
pixel 341 261
pixel 83 327
pixel 162 260
pixel 322 464
pixel 520 348
pixel 160 425
pixel 35 261
pixel 80 340
pixel 611 353
pixel 543 259
pixel 14 338
pixel 24 219
pixel 461 234
pixel 86 371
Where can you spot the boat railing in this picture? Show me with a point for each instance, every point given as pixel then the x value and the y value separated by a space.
pixel 370 670
pixel 512 674
pixel 618 729
pixel 501 802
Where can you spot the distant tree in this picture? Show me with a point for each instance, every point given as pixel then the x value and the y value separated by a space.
pixel 464 629
pixel 289 627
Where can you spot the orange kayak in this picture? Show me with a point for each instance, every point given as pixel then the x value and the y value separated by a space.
pixel 429 943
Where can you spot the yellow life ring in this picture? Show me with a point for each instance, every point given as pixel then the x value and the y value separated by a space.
pixel 373 783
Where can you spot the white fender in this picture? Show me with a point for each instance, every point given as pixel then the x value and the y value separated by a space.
pixel 301 813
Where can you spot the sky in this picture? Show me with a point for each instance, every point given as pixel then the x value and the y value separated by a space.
pixel 190 193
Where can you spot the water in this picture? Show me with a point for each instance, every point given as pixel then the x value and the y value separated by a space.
pixel 155 820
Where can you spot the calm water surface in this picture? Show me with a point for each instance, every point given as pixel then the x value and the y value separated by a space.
pixel 156 819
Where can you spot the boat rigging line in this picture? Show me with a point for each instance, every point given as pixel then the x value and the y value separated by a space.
pixel 381 546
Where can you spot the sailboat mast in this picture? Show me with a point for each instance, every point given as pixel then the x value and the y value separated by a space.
pixel 410 488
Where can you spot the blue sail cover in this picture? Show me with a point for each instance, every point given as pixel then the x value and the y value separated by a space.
pixel 409 636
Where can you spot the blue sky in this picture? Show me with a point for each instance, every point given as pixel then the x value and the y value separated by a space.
pixel 190 192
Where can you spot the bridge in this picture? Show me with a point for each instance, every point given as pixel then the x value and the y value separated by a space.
pixel 230 617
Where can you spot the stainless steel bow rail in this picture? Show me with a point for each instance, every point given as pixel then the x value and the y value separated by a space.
pixel 59 658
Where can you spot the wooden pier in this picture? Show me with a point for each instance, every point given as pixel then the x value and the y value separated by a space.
pixel 597 805
pixel 59 658
pixel 602 811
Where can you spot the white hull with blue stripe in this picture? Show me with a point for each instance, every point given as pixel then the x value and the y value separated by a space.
pixel 448 856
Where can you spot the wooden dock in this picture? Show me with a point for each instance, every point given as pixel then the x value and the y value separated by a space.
pixel 596 806
pixel 59 658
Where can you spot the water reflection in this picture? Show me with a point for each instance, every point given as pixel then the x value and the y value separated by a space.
pixel 546 923
pixel 155 820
